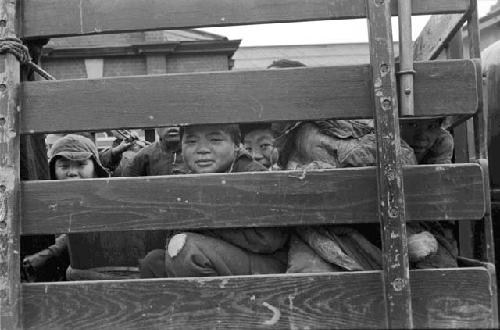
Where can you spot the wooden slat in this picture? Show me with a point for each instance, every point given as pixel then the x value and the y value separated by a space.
pixel 9 176
pixel 436 35
pixel 452 298
pixel 444 192
pixel 49 18
pixel 441 88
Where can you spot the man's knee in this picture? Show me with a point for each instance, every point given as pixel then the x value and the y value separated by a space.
pixel 187 255
pixel 176 244
pixel 153 265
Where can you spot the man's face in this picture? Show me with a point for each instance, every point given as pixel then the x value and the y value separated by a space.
pixel 68 169
pixel 169 134
pixel 260 145
pixel 207 149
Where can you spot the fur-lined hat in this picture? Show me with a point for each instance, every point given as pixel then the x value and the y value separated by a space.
pixel 75 147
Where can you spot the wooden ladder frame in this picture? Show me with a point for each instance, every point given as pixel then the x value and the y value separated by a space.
pixel 285 300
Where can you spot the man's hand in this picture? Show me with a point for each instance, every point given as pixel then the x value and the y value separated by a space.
pixel 121 148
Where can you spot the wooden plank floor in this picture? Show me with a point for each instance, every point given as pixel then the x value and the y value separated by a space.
pixel 450 298
pixel 443 192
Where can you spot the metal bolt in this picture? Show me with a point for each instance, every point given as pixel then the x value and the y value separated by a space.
pixel 393 212
pixel 379 2
pixel 407 91
pixel 3 23
pixel 384 68
pixel 386 104
pixel 398 284
pixel 3 87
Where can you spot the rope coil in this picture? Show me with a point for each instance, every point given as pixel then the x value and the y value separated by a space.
pixel 15 47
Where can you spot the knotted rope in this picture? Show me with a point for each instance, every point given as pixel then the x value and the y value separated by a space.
pixel 15 47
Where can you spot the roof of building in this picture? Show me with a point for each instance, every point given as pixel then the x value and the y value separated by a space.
pixel 122 39
pixel 136 43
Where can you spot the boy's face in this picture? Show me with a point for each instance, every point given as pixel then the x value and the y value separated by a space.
pixel 67 169
pixel 207 148
pixel 260 144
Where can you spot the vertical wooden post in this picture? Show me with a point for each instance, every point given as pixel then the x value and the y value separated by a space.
pixel 149 135
pixel 155 64
pixel 480 121
pixel 455 50
pixel 9 176
pixel 389 169
pixel 480 124
pixel 405 59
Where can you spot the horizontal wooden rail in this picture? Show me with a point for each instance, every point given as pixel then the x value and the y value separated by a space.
pixel 50 18
pixel 441 88
pixel 444 192
pixel 442 298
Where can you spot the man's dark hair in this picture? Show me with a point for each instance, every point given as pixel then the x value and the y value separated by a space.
pixel 232 130
pixel 249 127
pixel 285 63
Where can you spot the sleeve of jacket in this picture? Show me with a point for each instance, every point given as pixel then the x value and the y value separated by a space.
pixel 56 250
pixel 257 240
pixel 137 166
pixel 109 160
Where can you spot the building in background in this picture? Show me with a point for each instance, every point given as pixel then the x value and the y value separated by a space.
pixel 489 28
pixel 139 53
pixel 259 57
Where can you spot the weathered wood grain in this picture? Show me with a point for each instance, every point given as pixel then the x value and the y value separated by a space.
pixel 436 35
pixel 444 192
pixel 49 18
pixel 9 176
pixel 390 187
pixel 452 298
pixel 441 88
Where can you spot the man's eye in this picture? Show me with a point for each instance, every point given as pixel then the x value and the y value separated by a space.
pixel 190 141
pixel 216 139
pixel 265 145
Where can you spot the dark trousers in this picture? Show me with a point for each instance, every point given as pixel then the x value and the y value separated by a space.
pixel 202 255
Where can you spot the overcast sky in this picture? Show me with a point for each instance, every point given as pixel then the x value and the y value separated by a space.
pixel 321 32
